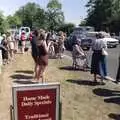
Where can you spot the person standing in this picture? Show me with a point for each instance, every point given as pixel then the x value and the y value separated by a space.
pixel 11 44
pixel 97 58
pixel 103 62
pixel 61 44
pixel 34 51
pixel 23 41
pixel 16 37
pixel 41 58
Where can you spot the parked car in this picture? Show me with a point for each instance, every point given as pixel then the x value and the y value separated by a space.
pixel 91 36
pixel 86 41
pixel 84 33
pixel 111 42
pixel 87 38
pixel 116 37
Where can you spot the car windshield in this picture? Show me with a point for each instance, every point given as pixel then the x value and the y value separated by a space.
pixel 91 34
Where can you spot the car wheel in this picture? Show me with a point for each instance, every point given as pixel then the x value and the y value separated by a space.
pixel 114 46
pixel 88 48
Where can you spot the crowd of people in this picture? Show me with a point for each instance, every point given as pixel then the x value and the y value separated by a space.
pixel 11 44
pixel 7 47
pixel 44 45
pixel 49 44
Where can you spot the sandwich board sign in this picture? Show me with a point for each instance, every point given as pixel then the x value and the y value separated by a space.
pixel 36 101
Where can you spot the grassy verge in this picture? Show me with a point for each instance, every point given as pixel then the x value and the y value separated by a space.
pixel 80 99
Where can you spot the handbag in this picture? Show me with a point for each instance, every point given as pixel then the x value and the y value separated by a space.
pixel 104 52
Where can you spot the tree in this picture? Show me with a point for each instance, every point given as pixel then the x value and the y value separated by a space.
pixel 3 23
pixel 83 23
pixel 67 28
pixel 104 15
pixel 99 13
pixel 14 21
pixel 55 15
pixel 26 14
pixel 40 19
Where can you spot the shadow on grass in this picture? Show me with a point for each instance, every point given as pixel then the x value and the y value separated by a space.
pixel 114 116
pixel 22 81
pixel 105 92
pixel 84 82
pixel 24 71
pixel 111 96
pixel 20 76
pixel 69 68
pixel 115 100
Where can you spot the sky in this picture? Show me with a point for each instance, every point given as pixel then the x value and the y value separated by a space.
pixel 74 10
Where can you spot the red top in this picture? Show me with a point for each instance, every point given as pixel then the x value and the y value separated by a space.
pixel 23 36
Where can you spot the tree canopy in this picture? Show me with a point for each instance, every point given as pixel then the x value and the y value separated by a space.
pixel 34 16
pixel 54 14
pixel 3 23
pixel 14 21
pixel 104 15
pixel 67 28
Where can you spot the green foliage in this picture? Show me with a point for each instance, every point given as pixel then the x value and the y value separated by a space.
pixel 3 24
pixel 83 23
pixel 54 5
pixel 14 21
pixel 27 13
pixel 67 28
pixel 104 15
pixel 55 16
pixel 40 19
pixel 33 16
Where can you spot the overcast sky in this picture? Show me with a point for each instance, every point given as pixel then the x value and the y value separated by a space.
pixel 74 10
